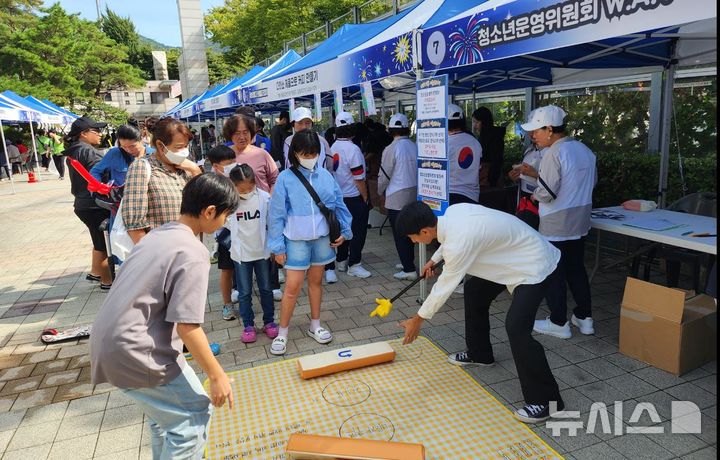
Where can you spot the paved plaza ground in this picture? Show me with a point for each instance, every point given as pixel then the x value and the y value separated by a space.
pixel 49 408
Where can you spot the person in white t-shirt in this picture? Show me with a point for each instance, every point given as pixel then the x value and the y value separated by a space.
pixel 566 178
pixel 498 252
pixel 349 172
pixel 248 232
pixel 397 180
pixel 464 154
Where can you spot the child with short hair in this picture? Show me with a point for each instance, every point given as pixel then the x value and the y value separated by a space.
pixel 248 232
pixel 156 305
pixel 222 161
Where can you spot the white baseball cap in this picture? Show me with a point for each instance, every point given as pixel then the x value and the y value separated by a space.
pixel 301 113
pixel 344 119
pixel 550 115
pixel 398 120
pixel 455 112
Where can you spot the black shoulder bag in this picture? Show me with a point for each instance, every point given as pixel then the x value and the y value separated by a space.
pixel 333 223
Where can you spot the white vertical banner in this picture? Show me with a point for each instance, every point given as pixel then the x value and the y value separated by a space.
pixel 291 106
pixel 318 108
pixel 368 99
pixel 338 100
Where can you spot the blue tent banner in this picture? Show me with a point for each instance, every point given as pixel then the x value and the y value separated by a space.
pixel 491 32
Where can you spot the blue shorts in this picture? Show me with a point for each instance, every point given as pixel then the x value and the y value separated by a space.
pixel 302 254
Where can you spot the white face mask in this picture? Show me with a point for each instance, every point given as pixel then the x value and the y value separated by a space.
pixel 247 196
pixel 177 157
pixel 227 169
pixel 308 163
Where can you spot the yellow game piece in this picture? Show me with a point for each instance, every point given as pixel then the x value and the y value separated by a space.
pixel 345 359
pixel 305 446
pixel 383 309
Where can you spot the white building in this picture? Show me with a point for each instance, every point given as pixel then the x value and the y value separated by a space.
pixel 155 98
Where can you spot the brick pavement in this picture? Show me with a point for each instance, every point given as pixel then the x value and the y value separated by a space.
pixel 49 409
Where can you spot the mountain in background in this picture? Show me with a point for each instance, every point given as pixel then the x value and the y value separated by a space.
pixel 157 46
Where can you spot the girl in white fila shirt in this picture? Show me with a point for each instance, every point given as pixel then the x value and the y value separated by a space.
pixel 349 172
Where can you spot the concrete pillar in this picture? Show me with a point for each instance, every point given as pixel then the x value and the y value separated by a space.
pixel 194 77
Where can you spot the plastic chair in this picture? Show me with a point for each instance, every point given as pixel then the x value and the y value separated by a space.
pixel 702 204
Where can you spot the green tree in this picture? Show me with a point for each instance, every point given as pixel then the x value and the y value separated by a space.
pixel 218 67
pixel 262 26
pixel 16 16
pixel 122 31
pixel 65 58
pixel 173 54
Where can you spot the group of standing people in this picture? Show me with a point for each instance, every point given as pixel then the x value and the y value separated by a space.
pixel 280 207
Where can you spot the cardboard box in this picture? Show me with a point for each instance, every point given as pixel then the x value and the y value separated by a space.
pixel 670 329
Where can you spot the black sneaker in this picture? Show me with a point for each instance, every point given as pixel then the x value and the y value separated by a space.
pixel 463 359
pixel 536 413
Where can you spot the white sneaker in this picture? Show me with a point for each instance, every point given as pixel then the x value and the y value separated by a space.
pixel 460 289
pixel 359 271
pixel 279 345
pixel 234 295
pixel 281 275
pixel 547 327
pixel 585 325
pixel 321 335
pixel 341 266
pixel 330 277
pixel 277 295
pixel 408 276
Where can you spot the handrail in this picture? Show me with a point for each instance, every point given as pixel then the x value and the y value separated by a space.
pixel 368 11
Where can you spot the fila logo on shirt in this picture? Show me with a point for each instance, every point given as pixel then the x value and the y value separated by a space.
pixel 247 215
pixel 465 158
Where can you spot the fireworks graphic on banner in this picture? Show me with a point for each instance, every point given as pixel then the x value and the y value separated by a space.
pixel 464 44
pixel 365 69
pixel 402 53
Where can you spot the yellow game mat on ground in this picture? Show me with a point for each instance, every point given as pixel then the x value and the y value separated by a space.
pixel 418 398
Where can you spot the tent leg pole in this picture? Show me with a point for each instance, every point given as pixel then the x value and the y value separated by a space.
pixel 202 149
pixel 37 163
pixel 667 101
pixel 7 159
pixel 216 129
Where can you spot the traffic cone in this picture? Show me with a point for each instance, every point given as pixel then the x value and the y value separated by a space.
pixel 31 177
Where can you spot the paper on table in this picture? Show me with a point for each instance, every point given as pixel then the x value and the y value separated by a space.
pixel 653 224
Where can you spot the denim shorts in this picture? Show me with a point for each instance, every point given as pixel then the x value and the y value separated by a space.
pixel 302 254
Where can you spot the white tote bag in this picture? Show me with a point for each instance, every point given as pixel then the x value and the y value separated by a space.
pixel 120 242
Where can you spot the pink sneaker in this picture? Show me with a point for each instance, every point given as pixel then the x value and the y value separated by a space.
pixel 271 330
pixel 249 335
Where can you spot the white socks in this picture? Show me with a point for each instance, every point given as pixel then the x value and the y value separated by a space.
pixel 314 324
pixel 283 331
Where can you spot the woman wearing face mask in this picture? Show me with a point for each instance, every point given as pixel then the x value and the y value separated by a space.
pixel 241 130
pixel 153 186
pixel 298 233
pixel 84 135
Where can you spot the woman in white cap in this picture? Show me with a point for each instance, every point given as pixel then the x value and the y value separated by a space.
pixel 398 181
pixel 464 154
pixel 349 171
pixel 566 179
pixel 301 119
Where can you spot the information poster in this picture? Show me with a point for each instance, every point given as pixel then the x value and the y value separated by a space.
pixel 368 99
pixel 318 108
pixel 433 178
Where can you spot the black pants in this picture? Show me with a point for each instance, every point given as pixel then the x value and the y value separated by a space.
pixel 59 161
pixel 360 214
pixel 274 274
pixel 571 273
pixel 403 244
pixel 536 380
pixel 456 198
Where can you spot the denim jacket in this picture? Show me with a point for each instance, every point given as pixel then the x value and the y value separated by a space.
pixel 115 163
pixel 294 214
